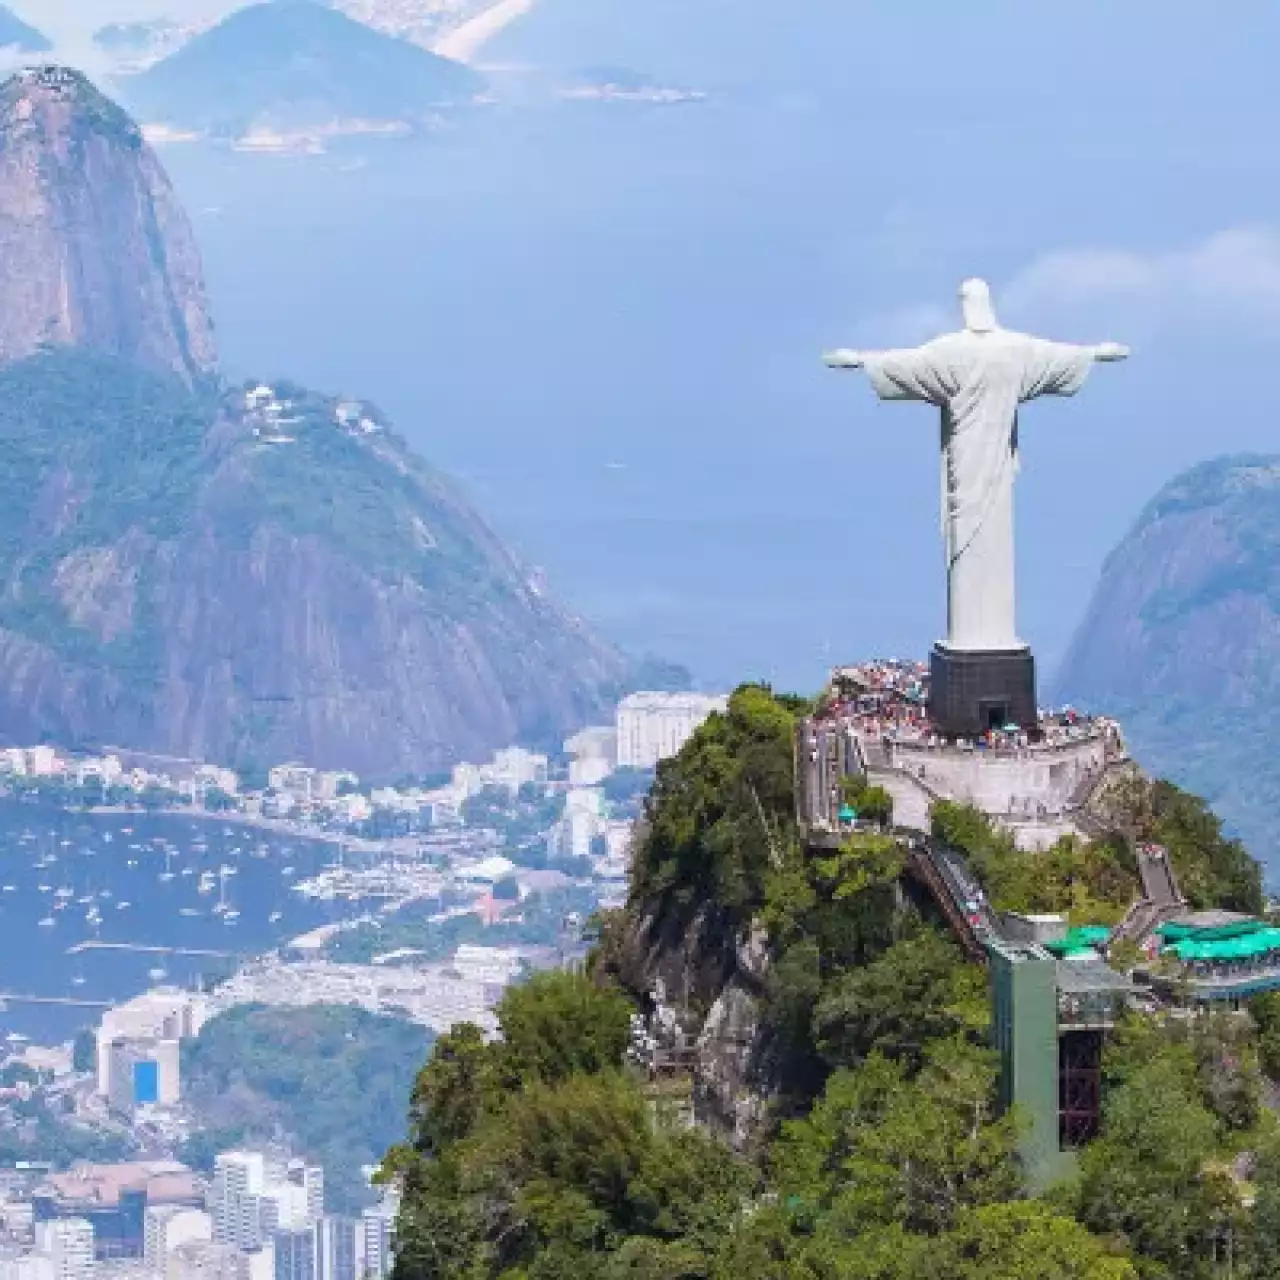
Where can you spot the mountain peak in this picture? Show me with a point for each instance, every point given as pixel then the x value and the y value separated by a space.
pixel 1182 638
pixel 294 64
pixel 48 105
pixel 94 249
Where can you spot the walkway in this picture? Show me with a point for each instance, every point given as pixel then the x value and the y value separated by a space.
pixel 1161 898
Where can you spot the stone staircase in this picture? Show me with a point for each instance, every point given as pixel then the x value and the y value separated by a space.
pixel 1161 898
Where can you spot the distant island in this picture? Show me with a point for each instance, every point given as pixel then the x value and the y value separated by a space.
pixel 16 34
pixel 621 84
pixel 291 75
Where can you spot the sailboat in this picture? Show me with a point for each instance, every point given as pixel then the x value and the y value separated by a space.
pixel 223 907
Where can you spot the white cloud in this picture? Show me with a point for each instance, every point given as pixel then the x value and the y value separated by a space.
pixel 1230 281
pixel 1232 277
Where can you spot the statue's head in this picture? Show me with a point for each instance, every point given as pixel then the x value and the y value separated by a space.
pixel 976 307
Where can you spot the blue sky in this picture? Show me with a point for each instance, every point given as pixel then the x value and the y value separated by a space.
pixel 609 324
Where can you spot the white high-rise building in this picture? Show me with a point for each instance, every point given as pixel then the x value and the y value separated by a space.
pixel 166 1226
pixel 212 1260
pixel 68 1244
pixel 254 1197
pixel 595 755
pixel 238 1181
pixel 654 726
pixel 160 1018
pixel 378 1225
pixel 513 767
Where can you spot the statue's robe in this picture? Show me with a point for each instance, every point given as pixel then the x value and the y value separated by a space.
pixel 978 380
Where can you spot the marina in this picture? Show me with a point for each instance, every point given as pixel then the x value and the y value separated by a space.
pixel 78 890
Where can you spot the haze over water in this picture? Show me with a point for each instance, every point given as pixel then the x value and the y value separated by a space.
pixel 606 319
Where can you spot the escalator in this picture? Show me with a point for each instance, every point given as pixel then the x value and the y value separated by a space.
pixel 945 875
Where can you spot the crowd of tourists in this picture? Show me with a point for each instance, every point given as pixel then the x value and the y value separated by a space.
pixel 886 701
pixel 888 696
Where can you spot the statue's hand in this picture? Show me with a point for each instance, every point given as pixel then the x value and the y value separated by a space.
pixel 1108 351
pixel 843 359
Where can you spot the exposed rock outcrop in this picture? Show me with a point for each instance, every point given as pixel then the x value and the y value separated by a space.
pixel 178 577
pixel 1182 641
pixel 94 248
pixel 709 986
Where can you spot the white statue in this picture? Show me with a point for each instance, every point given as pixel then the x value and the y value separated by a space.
pixel 978 378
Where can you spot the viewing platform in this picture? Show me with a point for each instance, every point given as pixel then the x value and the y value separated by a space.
pixel 873 720
pixel 1211 957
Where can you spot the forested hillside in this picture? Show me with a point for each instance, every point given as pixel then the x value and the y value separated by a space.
pixel 330 1079
pixel 876 1152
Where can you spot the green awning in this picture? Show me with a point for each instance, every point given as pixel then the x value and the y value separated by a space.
pixel 1077 941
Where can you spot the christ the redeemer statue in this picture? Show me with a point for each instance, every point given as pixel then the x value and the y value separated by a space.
pixel 978 378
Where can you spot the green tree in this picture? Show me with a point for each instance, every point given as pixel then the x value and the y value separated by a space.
pixel 578 1168
pixel 561 1023
pixel 464 1079
pixel 253 776
pixel 507 890
pixel 627 784
pixel 920 990
pixel 1263 1240
pixel 1151 1180
pixel 334 1079
pixel 880 1149
pixel 218 801
pixel 1023 1241
pixel 1265 1009
pixel 721 814
pixel 1212 870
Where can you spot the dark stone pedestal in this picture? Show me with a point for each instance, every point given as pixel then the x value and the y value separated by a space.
pixel 971 691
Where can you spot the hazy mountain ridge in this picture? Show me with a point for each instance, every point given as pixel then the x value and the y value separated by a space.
pixel 197 570
pixel 292 65
pixel 1182 639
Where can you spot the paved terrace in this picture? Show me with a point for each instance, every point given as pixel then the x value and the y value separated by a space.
pixel 874 719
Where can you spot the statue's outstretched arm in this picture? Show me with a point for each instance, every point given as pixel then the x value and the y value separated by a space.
pixel 1106 352
pixel 844 358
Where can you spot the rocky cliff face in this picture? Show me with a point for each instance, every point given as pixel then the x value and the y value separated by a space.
pixel 94 249
pixel 183 575
pixel 244 574
pixel 1182 639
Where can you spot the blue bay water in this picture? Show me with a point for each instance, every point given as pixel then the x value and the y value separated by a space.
pixel 154 864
